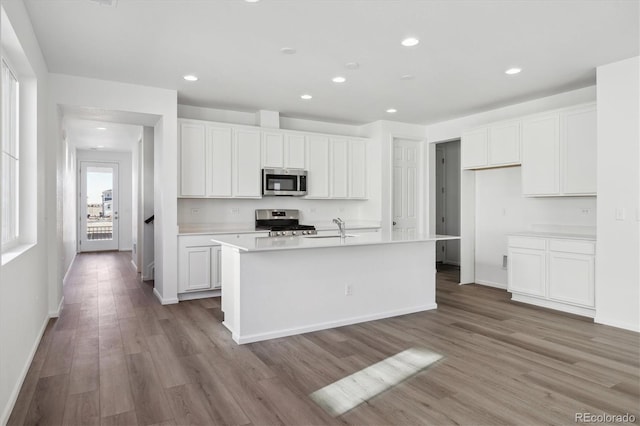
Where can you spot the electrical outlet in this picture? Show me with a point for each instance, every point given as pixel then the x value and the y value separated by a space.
pixel 235 211
pixel 585 211
pixel 621 213
pixel 195 211
pixel 348 290
pixel 504 261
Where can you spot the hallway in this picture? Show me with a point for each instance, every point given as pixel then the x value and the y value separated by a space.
pixel 117 357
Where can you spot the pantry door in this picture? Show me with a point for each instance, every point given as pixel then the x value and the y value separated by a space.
pixel 98 207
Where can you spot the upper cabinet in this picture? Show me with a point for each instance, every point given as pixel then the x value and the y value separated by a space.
pixel 218 160
pixel 496 145
pixel 283 150
pixel 559 153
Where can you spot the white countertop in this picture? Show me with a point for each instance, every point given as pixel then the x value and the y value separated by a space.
pixel 240 228
pixel 550 234
pixel 252 243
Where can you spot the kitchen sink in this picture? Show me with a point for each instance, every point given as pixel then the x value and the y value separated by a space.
pixel 328 236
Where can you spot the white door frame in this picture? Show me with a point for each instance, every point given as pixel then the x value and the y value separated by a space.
pixel 423 182
pixel 97 245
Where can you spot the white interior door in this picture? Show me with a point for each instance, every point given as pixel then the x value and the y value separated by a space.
pixel 98 206
pixel 406 168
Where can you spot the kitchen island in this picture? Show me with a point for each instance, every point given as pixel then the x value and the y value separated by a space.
pixel 281 286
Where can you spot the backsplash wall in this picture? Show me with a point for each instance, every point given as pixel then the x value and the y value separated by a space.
pixel 241 211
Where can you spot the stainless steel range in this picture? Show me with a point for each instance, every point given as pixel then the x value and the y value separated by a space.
pixel 282 223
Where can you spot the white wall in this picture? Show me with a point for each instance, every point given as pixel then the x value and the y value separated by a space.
pixel 151 106
pixel 125 188
pixel 469 188
pixel 313 212
pixel 24 303
pixel 618 245
pixel 501 208
pixel 70 213
pixel 147 202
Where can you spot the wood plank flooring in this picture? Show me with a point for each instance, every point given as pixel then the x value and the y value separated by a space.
pixel 117 357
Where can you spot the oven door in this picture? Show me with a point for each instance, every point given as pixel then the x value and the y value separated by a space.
pixel 274 183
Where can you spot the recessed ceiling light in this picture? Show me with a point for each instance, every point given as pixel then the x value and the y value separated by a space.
pixel 407 77
pixel 392 110
pixel 101 128
pixel 338 79
pixel 288 50
pixel 252 1
pixel 352 65
pixel 100 146
pixel 306 97
pixel 190 77
pixel 512 71
pixel 410 41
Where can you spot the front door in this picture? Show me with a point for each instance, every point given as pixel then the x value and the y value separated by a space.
pixel 98 206
pixel 406 168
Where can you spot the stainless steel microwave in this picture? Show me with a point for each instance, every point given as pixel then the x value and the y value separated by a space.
pixel 292 182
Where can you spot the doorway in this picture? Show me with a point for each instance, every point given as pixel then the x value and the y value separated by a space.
pixel 447 199
pixel 98 206
pixel 406 187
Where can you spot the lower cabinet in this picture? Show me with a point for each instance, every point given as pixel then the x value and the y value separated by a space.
pixel 198 264
pixel 553 273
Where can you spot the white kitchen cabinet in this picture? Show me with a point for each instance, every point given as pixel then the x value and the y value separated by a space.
pixel 339 168
pixel 541 155
pixel 495 145
pixel 219 159
pixel 504 144
pixel 283 150
pixel 474 149
pixel 527 271
pixel 559 153
pixel 198 264
pixel 579 150
pixel 192 159
pixel 317 152
pixel 272 149
pixel 556 273
pixel 294 151
pixel 247 174
pixel 357 169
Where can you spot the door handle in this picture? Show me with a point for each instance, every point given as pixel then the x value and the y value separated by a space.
pixel 394 223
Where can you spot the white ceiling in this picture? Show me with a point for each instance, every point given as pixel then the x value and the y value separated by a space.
pixel 84 134
pixel 234 48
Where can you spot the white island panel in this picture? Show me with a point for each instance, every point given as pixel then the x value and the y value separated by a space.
pixel 273 293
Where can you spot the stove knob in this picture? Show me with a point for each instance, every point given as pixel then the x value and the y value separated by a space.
pixel 304 232
pixel 294 233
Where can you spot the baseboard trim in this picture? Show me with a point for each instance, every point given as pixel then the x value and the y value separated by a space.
pixel 56 313
pixel 23 375
pixel 64 279
pixel 164 301
pixel 199 295
pixel 329 324
pixel 491 284
pixel 617 324
pixel 550 304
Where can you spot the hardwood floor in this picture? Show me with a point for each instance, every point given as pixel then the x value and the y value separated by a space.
pixel 117 357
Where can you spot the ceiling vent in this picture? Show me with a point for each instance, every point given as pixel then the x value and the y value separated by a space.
pixel 111 3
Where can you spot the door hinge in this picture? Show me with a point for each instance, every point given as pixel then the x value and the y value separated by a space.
pixel 443 220
pixel 443 161
pixel 443 190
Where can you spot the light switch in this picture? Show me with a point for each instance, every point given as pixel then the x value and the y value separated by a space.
pixel 621 213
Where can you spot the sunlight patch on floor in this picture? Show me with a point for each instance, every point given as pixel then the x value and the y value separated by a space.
pixel 351 391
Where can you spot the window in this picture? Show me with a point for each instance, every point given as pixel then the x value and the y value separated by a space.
pixel 9 196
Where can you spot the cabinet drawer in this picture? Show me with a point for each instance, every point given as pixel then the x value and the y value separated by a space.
pixel 528 242
pixel 572 246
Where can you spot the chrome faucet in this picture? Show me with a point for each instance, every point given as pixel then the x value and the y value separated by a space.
pixel 340 224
